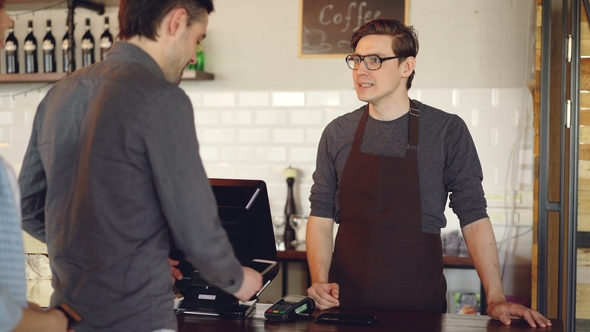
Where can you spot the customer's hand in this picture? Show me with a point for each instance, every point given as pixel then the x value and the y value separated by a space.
pixel 502 311
pixel 250 285
pixel 34 318
pixel 35 307
pixel 324 294
pixel 176 274
pixel 56 321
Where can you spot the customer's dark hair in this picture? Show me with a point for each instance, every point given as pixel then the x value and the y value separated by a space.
pixel 405 38
pixel 142 17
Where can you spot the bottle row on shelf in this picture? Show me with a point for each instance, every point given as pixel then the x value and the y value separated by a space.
pixel 48 46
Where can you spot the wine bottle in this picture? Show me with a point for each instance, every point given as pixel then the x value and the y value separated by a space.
pixel 106 40
pixel 11 48
pixel 290 174
pixel 87 46
pixel 65 46
pixel 49 51
pixel 30 47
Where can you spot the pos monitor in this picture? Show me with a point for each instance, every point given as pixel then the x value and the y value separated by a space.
pixel 244 210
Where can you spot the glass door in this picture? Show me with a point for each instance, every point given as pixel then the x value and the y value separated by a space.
pixel 563 283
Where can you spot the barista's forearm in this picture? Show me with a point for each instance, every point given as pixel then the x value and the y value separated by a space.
pixel 481 243
pixel 319 247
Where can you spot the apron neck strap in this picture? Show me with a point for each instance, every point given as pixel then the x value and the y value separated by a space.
pixel 413 129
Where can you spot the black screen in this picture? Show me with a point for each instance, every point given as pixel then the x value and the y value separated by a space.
pixel 244 211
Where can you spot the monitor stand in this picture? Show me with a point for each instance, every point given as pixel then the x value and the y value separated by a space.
pixel 206 300
pixel 238 312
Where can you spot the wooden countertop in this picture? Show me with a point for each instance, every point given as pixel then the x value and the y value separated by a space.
pixel 391 321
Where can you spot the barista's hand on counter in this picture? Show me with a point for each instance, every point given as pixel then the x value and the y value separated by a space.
pixel 250 285
pixel 324 294
pixel 176 274
pixel 502 311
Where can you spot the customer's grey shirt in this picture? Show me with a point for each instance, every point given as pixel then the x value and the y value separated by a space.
pixel 111 171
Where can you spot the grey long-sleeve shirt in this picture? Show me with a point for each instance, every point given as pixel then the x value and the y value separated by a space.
pixel 447 163
pixel 111 171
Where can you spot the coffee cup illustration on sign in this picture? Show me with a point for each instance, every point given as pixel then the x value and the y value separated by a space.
pixel 314 41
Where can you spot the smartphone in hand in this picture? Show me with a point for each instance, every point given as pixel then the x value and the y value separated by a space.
pixel 268 271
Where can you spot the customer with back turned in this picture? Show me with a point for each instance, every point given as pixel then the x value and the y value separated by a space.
pixel 112 171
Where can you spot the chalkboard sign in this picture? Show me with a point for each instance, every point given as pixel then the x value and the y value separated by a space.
pixel 328 25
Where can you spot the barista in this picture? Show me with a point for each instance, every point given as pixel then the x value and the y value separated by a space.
pixel 384 173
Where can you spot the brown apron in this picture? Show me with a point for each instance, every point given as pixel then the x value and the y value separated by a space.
pixel 381 259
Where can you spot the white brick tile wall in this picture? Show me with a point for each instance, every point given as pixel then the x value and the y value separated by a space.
pixel 313 135
pixel 506 136
pixel 241 117
pixel 238 154
pixel 480 5
pixel 6 135
pixel 254 98
pixel 219 99
pixel 323 98
pixel 348 97
pixel 254 135
pixel 209 153
pixel 305 155
pixel 196 98
pixel 475 17
pixel 6 102
pixel 221 135
pixel 206 117
pixel 6 118
pixel 439 98
pixel 246 171
pixel 435 6
pixel 510 97
pixel 425 18
pixel 23 119
pixel 221 170
pixel 332 113
pixel 278 154
pixel 288 99
pixel 309 117
pixel 271 117
pixel 288 136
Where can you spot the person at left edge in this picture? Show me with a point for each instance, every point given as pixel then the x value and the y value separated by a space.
pixel 112 170
pixel 16 314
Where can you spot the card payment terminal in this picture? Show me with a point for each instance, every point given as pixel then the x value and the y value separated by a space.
pixel 290 307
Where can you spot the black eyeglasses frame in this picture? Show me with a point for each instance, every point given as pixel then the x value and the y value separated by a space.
pixel 362 58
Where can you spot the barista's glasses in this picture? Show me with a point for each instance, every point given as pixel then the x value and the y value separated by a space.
pixel 371 61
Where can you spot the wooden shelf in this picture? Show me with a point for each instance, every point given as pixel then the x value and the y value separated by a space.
pixel 195 75
pixel 31 78
pixel 54 77
pixel 292 255
pixel 104 2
